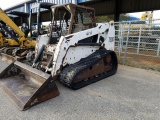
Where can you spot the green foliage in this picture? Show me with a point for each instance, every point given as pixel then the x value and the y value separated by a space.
pixel 124 17
pixel 104 18
pixel 107 18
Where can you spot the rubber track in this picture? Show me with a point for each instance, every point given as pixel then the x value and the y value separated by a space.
pixel 70 72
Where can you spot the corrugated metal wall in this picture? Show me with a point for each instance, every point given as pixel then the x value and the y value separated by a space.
pixel 50 1
pixel 81 1
pixel 57 1
pixel 22 7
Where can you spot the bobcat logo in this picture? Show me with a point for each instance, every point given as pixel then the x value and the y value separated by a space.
pixel 89 33
pixel 111 39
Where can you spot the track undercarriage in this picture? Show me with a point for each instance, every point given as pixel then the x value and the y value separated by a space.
pixel 97 66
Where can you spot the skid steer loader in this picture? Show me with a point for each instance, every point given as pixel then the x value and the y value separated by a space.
pixel 75 51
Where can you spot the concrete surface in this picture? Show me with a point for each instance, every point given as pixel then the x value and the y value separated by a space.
pixel 130 94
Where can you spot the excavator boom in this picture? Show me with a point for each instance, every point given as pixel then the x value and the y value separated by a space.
pixel 4 17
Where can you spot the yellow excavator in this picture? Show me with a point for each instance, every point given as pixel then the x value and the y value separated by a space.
pixel 134 26
pixel 15 45
pixel 7 41
pixel 147 15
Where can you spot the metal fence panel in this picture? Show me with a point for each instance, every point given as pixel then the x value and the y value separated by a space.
pixel 137 43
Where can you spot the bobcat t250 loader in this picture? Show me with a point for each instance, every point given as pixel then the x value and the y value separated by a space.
pixel 76 51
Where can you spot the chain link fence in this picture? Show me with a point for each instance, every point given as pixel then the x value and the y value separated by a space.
pixel 137 43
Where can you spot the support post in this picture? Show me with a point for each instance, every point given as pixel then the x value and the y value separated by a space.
pixel 117 8
pixel 74 1
pixel 125 53
pixel 158 50
pixel 26 9
pixel 139 38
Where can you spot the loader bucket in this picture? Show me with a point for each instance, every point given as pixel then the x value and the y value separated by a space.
pixel 27 86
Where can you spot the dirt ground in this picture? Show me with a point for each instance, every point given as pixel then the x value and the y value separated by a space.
pixel 140 61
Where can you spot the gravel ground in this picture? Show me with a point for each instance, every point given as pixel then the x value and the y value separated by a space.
pixel 130 94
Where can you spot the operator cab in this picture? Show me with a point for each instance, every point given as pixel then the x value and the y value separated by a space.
pixel 68 19
pixel 25 29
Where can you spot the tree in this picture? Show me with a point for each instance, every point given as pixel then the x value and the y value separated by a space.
pixel 107 18
pixel 124 17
